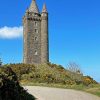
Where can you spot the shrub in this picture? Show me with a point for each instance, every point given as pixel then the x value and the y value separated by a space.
pixel 48 73
pixel 10 88
pixel 87 80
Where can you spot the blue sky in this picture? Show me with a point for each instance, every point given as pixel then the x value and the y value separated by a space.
pixel 74 32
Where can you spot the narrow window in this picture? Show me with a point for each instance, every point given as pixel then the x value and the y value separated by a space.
pixel 35 23
pixel 35 38
pixel 36 31
pixel 35 53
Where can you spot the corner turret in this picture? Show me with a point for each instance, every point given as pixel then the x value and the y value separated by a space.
pixel 44 36
pixel 44 10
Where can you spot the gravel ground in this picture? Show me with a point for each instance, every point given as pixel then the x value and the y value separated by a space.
pixel 46 93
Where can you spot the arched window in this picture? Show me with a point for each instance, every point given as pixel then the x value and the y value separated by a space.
pixel 36 53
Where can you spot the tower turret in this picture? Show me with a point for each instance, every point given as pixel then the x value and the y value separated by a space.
pixel 44 10
pixel 44 35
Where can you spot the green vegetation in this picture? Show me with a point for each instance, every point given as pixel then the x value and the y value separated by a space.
pixel 10 88
pixel 49 74
pixel 0 62
pixel 95 89
pixel 53 75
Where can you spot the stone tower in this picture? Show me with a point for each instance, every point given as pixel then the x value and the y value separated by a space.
pixel 35 31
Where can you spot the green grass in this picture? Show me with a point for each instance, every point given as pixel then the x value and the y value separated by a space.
pixel 94 90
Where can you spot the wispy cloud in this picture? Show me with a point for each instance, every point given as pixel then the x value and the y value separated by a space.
pixel 11 32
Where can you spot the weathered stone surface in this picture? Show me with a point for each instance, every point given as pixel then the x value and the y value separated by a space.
pixel 35 36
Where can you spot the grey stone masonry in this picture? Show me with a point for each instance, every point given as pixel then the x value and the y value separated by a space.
pixel 35 32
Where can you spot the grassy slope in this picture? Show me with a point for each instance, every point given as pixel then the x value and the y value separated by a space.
pixel 94 90
pixel 45 73
pixel 53 75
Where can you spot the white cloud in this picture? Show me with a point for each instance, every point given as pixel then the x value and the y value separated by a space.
pixel 11 32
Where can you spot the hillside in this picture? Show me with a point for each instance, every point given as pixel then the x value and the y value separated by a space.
pixel 48 74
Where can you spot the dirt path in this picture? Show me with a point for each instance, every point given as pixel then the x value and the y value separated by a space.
pixel 46 93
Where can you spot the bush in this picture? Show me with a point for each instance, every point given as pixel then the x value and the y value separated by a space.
pixel 48 73
pixel 10 88
pixel 87 80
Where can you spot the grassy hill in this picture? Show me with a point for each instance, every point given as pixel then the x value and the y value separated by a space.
pixel 48 74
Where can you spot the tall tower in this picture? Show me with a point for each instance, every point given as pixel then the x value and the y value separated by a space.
pixel 35 31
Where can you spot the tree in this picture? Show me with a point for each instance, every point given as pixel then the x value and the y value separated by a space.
pixel 0 62
pixel 75 72
pixel 73 67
